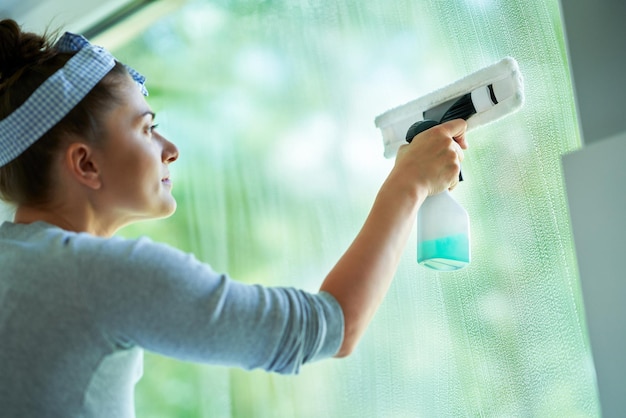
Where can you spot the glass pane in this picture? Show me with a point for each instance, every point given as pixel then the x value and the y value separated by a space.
pixel 272 106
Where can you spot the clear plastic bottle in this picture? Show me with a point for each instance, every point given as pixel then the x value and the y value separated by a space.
pixel 443 235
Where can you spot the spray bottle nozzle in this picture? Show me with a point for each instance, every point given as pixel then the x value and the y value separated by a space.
pixel 418 128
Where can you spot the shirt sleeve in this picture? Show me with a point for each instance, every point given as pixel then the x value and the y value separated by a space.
pixel 164 300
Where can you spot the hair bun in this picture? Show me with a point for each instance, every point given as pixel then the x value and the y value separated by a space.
pixel 19 49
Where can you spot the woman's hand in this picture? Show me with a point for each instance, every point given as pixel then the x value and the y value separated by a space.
pixel 432 161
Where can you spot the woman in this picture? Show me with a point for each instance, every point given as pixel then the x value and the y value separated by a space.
pixel 80 157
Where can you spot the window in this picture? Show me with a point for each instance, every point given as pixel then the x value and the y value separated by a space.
pixel 272 103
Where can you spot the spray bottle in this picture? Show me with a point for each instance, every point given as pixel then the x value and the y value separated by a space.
pixel 442 224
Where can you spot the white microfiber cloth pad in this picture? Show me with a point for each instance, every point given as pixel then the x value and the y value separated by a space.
pixel 506 81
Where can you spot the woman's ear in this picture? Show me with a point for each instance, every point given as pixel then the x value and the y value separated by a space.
pixel 81 164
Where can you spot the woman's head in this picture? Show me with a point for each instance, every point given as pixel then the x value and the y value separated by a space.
pixel 27 60
pixel 77 138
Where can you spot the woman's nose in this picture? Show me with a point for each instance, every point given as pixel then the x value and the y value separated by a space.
pixel 170 151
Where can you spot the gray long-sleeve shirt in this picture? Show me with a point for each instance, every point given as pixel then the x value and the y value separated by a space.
pixel 75 311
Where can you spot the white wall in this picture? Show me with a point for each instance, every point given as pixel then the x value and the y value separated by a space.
pixel 596 185
pixel 596 188
pixel 596 37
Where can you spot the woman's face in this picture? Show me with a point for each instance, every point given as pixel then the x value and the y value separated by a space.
pixel 134 164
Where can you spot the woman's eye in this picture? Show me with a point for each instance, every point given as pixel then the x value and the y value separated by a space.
pixel 152 127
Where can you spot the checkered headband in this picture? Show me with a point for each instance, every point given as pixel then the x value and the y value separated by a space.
pixel 58 95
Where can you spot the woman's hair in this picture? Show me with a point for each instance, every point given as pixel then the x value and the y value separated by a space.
pixel 26 61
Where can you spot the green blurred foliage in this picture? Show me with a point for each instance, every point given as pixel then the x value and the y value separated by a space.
pixel 271 104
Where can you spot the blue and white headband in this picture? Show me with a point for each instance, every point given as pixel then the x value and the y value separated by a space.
pixel 58 95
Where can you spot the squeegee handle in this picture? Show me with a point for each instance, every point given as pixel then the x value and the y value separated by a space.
pixel 418 128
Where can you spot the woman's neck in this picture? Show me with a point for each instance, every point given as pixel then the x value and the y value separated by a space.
pixel 70 220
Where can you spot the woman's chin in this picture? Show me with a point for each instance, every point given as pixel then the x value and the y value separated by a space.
pixel 169 209
pixel 165 209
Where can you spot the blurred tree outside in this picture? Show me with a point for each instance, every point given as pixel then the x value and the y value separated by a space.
pixel 271 104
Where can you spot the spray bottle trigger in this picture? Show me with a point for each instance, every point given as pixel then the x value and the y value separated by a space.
pixel 419 127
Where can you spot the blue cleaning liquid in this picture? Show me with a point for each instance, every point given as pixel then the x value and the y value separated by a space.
pixel 445 254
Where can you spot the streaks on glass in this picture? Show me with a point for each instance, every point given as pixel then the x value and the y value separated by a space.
pixel 280 161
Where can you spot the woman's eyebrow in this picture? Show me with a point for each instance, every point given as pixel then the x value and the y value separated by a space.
pixel 148 112
pixel 142 115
